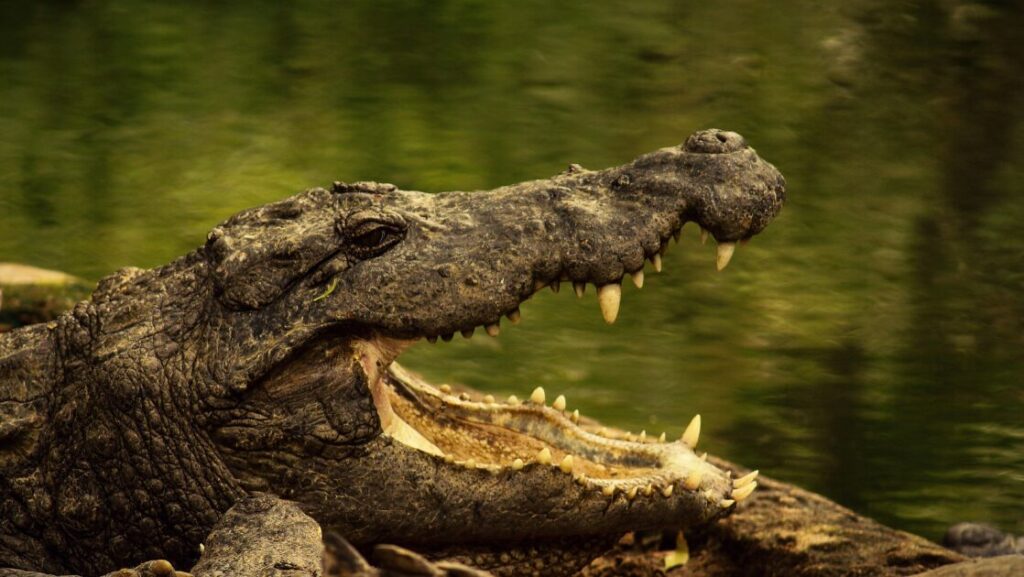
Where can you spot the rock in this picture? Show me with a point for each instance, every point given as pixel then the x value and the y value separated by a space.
pixel 33 295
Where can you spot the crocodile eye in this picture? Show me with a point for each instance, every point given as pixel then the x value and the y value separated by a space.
pixel 373 238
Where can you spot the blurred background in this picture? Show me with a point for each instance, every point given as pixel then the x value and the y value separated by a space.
pixel 869 345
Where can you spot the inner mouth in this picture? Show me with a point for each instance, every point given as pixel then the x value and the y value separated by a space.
pixel 475 431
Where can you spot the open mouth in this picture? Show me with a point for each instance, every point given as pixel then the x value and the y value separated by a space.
pixel 477 432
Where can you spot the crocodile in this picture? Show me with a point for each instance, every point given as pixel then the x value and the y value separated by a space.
pixel 265 362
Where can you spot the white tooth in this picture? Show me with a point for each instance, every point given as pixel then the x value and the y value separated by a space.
pixel 566 464
pixel 517 465
pixel 726 503
pixel 608 490
pixel 656 260
pixel 537 397
pixel 693 480
pixel 544 456
pixel 704 457
pixel 661 439
pixel 667 491
pixel 580 479
pixel 631 493
pixel 580 288
pixel 493 330
pixel 692 433
pixel 638 278
pixel 745 479
pixel 513 400
pixel 559 404
pixel 648 490
pixel 470 463
pixel 463 396
pixel 703 235
pixel 608 297
pixel 468 333
pixel 556 286
pixel 576 416
pixel 514 317
pixel 488 398
pixel 446 389
pixel 449 459
pixel 725 252
pixel 744 491
pixel 643 435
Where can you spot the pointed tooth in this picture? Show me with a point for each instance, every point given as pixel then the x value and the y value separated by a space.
pixel 580 479
pixel 693 479
pixel 544 456
pixel 662 438
pixel 468 333
pixel 537 396
pixel 656 261
pixel 608 297
pixel 488 398
pixel 638 278
pixel 576 416
pixel 580 288
pixel 726 503
pixel 449 459
pixel 559 404
pixel 692 433
pixel 745 479
pixel 643 435
pixel 704 457
pixel 608 490
pixel 703 235
pixel 432 339
pixel 513 400
pixel 744 491
pixel 566 464
pixel 676 233
pixel 445 388
pixel 648 490
pixel 463 396
pixel 555 286
pixel 667 491
pixel 470 463
pixel 725 252
pixel 518 465
pixel 515 316
pixel 493 330
pixel 447 337
pixel 631 493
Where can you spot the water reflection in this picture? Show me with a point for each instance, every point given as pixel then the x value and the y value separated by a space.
pixel 869 345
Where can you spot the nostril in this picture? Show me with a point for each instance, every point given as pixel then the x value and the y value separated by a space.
pixel 714 141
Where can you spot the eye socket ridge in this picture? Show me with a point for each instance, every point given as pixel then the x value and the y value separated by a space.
pixel 373 237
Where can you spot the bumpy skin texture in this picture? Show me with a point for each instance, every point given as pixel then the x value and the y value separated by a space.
pixel 129 425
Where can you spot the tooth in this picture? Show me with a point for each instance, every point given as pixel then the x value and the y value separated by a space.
pixel 449 459
pixel 726 503
pixel 488 398
pixel 556 286
pixel 559 404
pixel 514 317
pixel 744 491
pixel 703 235
pixel 580 288
pixel 468 333
pixel 445 388
pixel 608 298
pixel 656 260
pixel 566 464
pixel 517 465
pixel 447 337
pixel 667 491
pixel 544 456
pixel 537 397
pixel 513 400
pixel 647 490
pixel 576 416
pixel 638 278
pixel 608 490
pixel 692 433
pixel 643 435
pixel 661 439
pixel 432 339
pixel 704 457
pixel 539 284
pixel 745 479
pixel 631 493
pixel 580 479
pixel 676 233
pixel 693 480
pixel 470 463
pixel 725 251
pixel 494 329
pixel 463 396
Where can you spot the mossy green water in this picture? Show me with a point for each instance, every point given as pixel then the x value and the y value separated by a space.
pixel 869 345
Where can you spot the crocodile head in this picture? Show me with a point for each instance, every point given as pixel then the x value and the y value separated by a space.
pixel 321 292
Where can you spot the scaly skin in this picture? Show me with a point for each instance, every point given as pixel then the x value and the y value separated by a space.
pixel 263 362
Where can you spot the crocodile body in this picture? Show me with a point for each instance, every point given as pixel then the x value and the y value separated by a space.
pixel 264 362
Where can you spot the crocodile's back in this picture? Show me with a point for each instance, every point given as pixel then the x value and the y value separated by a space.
pixel 26 380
